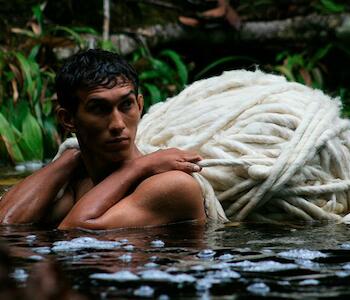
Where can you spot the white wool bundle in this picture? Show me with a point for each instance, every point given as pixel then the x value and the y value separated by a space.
pixel 273 150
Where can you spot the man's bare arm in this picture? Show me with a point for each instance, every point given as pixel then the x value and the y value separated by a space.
pixel 29 200
pixel 115 187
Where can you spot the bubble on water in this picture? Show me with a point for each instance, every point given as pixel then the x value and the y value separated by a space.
pixel 163 297
pixel 120 276
pixel 42 250
pixel 226 274
pixel 342 274
pixel 19 275
pixel 151 265
pixel 82 243
pixel 309 282
pixel 36 257
pixel 206 253
pixel 226 256
pixel 259 288
pixel 129 247
pixel 123 241
pixel 301 254
pixel 144 291
pixel 157 244
pixel 155 275
pixel 182 278
pixel 30 238
pixel 306 263
pixel 346 266
pixel 220 266
pixel 125 257
pixel 197 268
pixel 153 258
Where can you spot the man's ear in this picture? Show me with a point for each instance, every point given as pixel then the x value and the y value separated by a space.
pixel 66 119
pixel 140 102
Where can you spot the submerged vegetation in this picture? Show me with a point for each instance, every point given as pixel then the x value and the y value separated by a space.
pixel 28 128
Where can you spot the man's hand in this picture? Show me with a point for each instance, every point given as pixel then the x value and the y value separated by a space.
pixel 169 160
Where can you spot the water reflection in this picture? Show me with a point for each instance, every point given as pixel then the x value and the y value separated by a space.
pixel 195 261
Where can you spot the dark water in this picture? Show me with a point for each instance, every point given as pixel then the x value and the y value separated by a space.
pixel 238 261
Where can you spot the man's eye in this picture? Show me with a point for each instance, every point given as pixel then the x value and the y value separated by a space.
pixel 127 104
pixel 100 108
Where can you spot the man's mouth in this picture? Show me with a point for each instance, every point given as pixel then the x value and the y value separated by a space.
pixel 117 140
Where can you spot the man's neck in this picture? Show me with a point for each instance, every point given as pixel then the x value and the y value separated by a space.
pixel 98 170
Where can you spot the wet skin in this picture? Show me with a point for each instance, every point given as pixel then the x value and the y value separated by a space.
pixel 122 188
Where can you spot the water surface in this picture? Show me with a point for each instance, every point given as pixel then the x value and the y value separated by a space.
pixel 191 261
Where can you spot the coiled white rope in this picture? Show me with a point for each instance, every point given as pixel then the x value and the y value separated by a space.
pixel 273 150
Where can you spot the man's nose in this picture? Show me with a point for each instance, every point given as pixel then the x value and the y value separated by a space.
pixel 116 123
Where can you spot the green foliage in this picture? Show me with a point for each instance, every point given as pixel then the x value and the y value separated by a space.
pixel 160 77
pixel 303 67
pixel 329 6
pixel 26 106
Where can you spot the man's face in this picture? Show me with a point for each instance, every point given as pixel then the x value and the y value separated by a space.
pixel 106 121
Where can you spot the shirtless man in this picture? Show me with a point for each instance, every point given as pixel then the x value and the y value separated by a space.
pixel 111 184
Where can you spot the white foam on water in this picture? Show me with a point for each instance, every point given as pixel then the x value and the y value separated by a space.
pixel 82 243
pixel 144 291
pixel 129 247
pixel 226 274
pixel 42 250
pixel 345 246
pixel 155 275
pixel 157 244
pixel 301 254
pixel 120 276
pixel 259 288
pixel 125 257
pixel 36 257
pixel 151 265
pixel 30 238
pixel 19 275
pixel 264 266
pixel 226 256
pixel 309 282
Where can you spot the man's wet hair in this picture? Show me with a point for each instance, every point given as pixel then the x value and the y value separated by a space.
pixel 90 69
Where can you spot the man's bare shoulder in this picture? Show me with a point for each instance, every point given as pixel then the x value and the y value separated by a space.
pixel 174 192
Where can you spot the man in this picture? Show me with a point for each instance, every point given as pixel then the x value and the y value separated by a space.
pixel 111 184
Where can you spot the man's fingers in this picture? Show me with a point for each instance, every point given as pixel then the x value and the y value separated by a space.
pixel 189 167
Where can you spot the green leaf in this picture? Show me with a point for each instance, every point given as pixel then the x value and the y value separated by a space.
pixel 38 15
pixel 26 69
pixel 149 74
pixel 332 7
pixel 47 107
pixel 154 92
pixel 32 139
pixel 180 66
pixel 71 33
pixel 9 139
